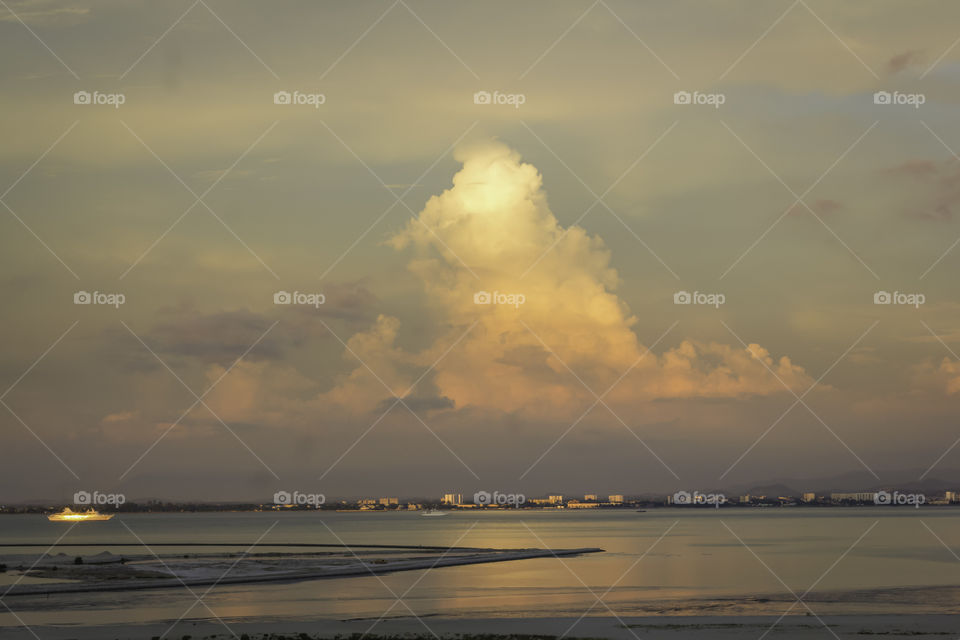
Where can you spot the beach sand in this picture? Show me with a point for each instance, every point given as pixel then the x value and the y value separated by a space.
pixel 642 628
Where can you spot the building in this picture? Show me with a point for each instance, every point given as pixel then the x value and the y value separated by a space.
pixel 859 496
pixel 809 497
pixel 590 497
pixel 615 499
pixel 576 504
pixel 389 501
pixel 952 496
pixel 452 498
pixel 555 499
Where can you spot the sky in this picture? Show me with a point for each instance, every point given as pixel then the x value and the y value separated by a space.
pixel 413 247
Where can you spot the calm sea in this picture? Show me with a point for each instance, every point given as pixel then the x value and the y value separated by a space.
pixel 699 567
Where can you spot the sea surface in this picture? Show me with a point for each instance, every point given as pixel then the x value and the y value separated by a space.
pixel 661 562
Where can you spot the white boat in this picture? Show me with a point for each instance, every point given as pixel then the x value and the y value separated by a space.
pixel 69 515
pixel 433 513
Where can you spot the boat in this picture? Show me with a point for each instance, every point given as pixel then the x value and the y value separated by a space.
pixel 69 515
pixel 433 513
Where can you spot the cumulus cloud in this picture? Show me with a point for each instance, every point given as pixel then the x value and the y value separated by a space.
pixel 493 231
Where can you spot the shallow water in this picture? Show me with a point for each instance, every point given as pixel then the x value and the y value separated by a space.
pixel 699 566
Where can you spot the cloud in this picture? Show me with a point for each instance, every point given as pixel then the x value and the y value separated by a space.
pixel 493 231
pixel 901 61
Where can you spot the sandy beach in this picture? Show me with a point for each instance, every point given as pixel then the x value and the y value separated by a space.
pixel 648 628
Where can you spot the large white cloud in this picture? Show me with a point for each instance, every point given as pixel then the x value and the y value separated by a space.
pixel 493 231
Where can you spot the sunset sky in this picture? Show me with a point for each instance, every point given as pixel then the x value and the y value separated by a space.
pixel 587 190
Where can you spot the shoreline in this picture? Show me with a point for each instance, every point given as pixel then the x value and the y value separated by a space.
pixel 791 627
pixel 359 569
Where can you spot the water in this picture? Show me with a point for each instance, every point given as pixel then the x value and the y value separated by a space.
pixel 698 567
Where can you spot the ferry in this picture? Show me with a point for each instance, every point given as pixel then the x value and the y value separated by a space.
pixel 433 513
pixel 69 515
